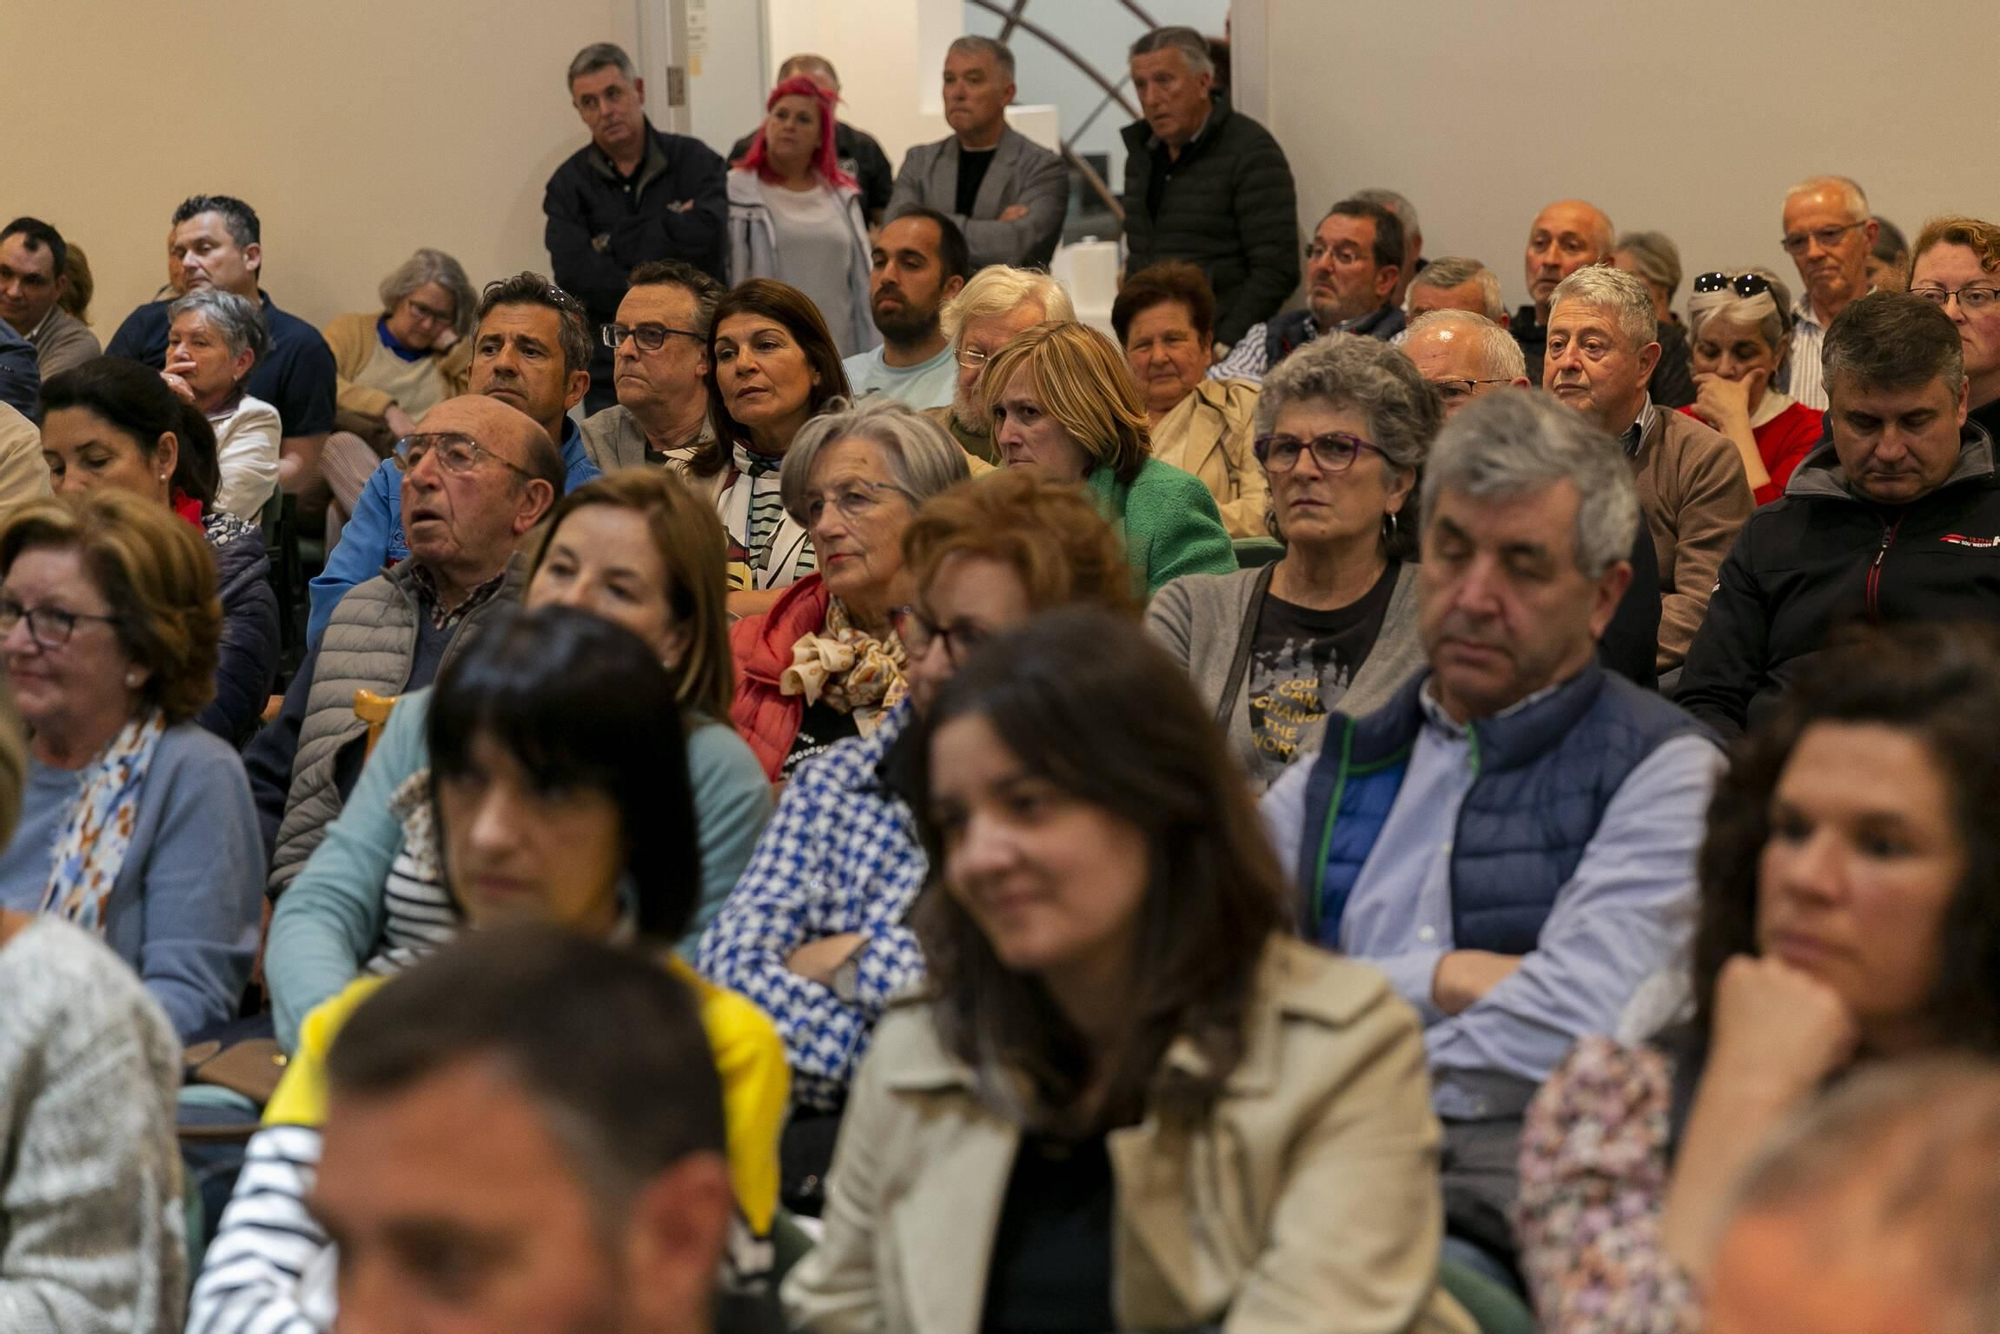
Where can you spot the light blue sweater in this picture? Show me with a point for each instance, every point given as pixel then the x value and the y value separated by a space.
pixel 185 906
pixel 329 920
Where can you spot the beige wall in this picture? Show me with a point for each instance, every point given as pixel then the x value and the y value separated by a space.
pixel 358 130
pixel 1690 118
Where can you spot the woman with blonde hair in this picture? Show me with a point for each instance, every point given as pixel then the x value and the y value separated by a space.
pixel 1061 401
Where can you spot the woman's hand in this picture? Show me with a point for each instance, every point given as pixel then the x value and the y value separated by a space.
pixel 1722 403
pixel 180 387
pixel 400 423
pixel 1779 1031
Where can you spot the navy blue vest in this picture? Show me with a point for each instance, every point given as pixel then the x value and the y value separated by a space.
pixel 1543 777
pixel 1285 334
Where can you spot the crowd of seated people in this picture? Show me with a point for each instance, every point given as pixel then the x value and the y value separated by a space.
pixel 812 789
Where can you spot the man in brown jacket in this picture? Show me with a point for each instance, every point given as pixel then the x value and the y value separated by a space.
pixel 1601 354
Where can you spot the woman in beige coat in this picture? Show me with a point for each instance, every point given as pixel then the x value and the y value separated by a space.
pixel 1132 1100
pixel 1165 320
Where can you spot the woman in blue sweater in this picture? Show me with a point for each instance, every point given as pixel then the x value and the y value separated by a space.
pixel 635 547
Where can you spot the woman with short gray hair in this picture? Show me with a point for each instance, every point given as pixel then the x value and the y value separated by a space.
pixel 824 663
pixel 1741 324
pixel 1343 426
pixel 214 340
pixel 397 363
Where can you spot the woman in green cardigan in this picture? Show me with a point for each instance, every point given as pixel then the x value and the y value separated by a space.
pixel 1062 401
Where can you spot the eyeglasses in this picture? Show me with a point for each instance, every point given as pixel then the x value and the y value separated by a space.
pixel 918 632
pixel 427 314
pixel 1341 254
pixel 1457 391
pixel 49 627
pixel 972 358
pixel 1333 452
pixel 455 453
pixel 1797 243
pixel 854 500
pixel 649 337
pixel 1971 300
pixel 1743 284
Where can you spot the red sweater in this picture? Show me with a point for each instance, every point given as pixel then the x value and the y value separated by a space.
pixel 1781 443
pixel 762 647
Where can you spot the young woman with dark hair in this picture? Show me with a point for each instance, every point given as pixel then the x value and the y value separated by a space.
pixel 1133 1100
pixel 1848 916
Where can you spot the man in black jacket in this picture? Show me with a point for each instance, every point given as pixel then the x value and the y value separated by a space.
pixel 1207 185
pixel 1894 517
pixel 632 194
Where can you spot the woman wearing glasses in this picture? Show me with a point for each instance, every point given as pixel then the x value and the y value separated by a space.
pixel 1741 325
pixel 397 363
pixel 113 424
pixel 816 931
pixel 1165 318
pixel 1061 401
pixel 1343 425
pixel 136 825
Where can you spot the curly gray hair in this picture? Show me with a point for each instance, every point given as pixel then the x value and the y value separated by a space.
pixel 1628 299
pixel 1365 374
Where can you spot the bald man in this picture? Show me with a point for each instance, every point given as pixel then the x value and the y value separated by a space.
pixel 1828 233
pixel 477 476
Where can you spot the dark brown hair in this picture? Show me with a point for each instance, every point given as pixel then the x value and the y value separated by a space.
pixel 1175 280
pixel 1087 702
pixel 1942 685
pixel 793 309
pixel 1893 340
pixel 1051 534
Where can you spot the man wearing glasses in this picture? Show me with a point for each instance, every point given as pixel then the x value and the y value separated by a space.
pixel 659 348
pixel 1828 233
pixel 1957 269
pixel 473 480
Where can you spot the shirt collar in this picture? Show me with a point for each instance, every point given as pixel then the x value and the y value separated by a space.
pixel 1441 721
pixel 1629 438
pixel 1802 309
pixel 32 334
pixel 441 618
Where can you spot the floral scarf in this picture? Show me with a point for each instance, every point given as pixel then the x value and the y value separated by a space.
pixel 96 831
pixel 849 668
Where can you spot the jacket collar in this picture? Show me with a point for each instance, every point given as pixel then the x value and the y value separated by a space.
pixel 799 610
pixel 1505 741
pixel 650 166
pixel 1139 135
pixel 1819 474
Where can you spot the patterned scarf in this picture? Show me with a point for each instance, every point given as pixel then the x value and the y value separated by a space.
pixel 96 830
pixel 849 668
pixel 767 549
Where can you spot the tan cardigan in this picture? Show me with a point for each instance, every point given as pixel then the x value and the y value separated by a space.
pixel 1694 495
pixel 1208 434
pixel 24 476
pixel 352 338
pixel 1308 1199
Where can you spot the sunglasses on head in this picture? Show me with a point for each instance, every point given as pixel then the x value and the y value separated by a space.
pixel 1743 284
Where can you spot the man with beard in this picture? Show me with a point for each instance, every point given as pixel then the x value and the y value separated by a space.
pixel 920 262
pixel 998 303
pixel 1354 265
pixel 1511 937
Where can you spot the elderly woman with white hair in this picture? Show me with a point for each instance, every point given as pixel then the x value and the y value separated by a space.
pixel 1342 425
pixel 1742 328
pixel 214 340
pixel 825 663
pixel 996 304
pixel 397 363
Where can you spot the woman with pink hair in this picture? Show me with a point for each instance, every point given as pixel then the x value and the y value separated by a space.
pixel 795 216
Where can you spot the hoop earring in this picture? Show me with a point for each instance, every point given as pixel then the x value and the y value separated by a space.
pixel 1390 526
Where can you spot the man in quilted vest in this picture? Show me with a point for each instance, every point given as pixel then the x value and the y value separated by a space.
pixel 479 475
pixel 1512 838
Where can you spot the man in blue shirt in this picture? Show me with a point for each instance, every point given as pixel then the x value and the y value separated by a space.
pixel 217 241
pixel 1512 839
pixel 531 350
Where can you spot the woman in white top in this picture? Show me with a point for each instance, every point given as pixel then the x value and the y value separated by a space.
pixel 214 338
pixel 794 215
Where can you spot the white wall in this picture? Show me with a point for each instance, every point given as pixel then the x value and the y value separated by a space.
pixel 888 52
pixel 1690 118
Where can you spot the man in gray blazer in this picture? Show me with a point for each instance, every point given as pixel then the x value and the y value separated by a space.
pixel 1006 194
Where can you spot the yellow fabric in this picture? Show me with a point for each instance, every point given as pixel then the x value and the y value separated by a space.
pixel 749 1058
pixel 352 340
pixel 1209 434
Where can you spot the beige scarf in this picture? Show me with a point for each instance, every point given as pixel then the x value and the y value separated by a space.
pixel 849 668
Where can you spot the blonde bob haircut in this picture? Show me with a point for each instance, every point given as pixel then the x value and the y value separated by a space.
pixel 690 541
pixel 1080 379
pixel 153 569
pixel 996 290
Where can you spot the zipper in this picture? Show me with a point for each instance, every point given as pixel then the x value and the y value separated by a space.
pixel 1873 599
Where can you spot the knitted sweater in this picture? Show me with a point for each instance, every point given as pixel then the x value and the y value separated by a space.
pixel 91 1217
pixel 1168 522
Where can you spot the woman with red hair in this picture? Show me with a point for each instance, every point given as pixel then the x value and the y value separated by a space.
pixel 795 216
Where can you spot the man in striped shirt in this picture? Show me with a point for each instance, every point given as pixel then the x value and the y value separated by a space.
pixel 1828 233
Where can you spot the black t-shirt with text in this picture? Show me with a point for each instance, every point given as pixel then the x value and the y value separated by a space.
pixel 1301 663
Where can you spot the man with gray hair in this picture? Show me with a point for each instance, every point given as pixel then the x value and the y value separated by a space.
pixel 632 194
pixel 1006 193
pixel 1511 938
pixel 1414 262
pixel 1872 1212
pixel 1601 352
pixel 1828 233
pixel 1207 184
pixel 1895 516
pixel 857 152
pixel 1458 283
pixel 1353 265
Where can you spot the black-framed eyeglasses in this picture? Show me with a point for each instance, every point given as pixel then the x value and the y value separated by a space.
pixel 1457 391
pixel 1333 452
pixel 1971 300
pixel 1743 284
pixel 455 453
pixel 649 337
pixel 1797 243
pixel 854 500
pixel 49 627
pixel 918 632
